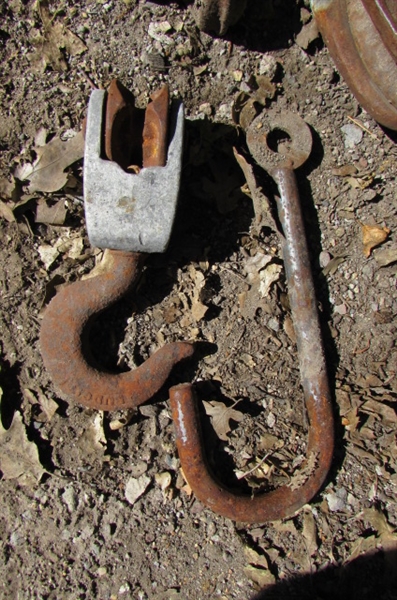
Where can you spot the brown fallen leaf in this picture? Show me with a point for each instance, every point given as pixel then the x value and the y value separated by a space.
pixel 302 475
pixel 261 202
pixel 48 406
pixel 50 43
pixel 362 545
pixel 19 458
pixel 6 212
pixel 258 569
pixel 378 521
pixel 309 532
pixel 221 415
pixel 344 171
pixel 307 34
pixel 373 235
pixel 386 412
pixel 47 172
pixel 54 214
pixel 351 420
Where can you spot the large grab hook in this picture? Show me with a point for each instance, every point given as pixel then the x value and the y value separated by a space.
pixel 67 356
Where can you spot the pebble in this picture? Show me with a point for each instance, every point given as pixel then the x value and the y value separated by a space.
pixel 70 499
pixel 324 259
pixel 268 66
pixel 340 309
pixel 353 135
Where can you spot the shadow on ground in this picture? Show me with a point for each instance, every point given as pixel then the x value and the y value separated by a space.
pixel 368 577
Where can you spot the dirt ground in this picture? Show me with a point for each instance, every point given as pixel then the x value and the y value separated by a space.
pixel 94 505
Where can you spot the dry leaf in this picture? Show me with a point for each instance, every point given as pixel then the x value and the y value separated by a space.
pixel 373 236
pixel 301 476
pixel 260 201
pixel 6 212
pixel 221 415
pixel 54 214
pixel 19 458
pixel 198 309
pixel 362 545
pixel 344 171
pixel 309 532
pixel 93 438
pixel 135 487
pixel 262 577
pixel 163 480
pixel 254 558
pixel 55 37
pixel 378 521
pixel 267 277
pixel 47 172
pixel 387 412
pixel 7 188
pixel 48 254
pixel 307 34
pixel 47 405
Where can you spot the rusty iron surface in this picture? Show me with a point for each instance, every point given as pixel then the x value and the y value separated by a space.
pixel 216 16
pixel 285 500
pixel 155 129
pixel 384 15
pixel 64 335
pixel 361 38
pixel 123 127
pixel 65 349
pixel 291 137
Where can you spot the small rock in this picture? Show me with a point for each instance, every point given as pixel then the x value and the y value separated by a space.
pixel 268 66
pixel 205 109
pixel 136 487
pixel 271 420
pixel 273 324
pixel 324 259
pixel 123 589
pixel 353 135
pixel 340 309
pixel 69 497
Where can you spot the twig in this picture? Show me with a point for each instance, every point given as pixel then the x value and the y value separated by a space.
pixel 362 127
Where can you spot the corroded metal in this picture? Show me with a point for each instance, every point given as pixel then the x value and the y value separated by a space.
pixel 65 349
pixel 285 500
pixel 362 38
pixel 65 328
pixel 216 16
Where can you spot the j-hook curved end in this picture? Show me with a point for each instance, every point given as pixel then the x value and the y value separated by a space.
pixel 276 504
pixel 63 346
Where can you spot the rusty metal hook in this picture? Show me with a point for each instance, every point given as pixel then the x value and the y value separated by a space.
pixel 285 500
pixel 65 353
pixel 68 316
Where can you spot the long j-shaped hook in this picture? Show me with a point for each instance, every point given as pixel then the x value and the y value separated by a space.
pixel 285 500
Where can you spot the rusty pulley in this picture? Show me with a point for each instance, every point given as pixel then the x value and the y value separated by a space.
pixel 361 36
